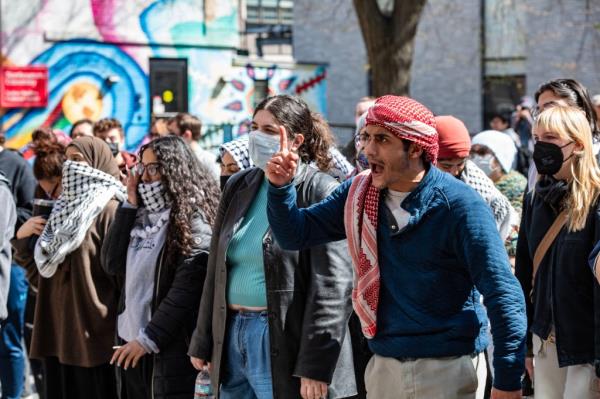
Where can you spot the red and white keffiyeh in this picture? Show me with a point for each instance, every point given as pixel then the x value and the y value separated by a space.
pixel 360 221
pixel 408 120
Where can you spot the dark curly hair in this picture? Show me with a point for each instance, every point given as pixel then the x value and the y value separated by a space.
pixel 293 113
pixel 49 154
pixel 190 187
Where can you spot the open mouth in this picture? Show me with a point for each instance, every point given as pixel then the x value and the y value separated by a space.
pixel 376 168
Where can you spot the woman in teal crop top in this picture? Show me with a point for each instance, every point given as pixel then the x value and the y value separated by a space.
pixel 273 323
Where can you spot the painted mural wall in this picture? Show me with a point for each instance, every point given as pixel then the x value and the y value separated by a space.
pixel 85 41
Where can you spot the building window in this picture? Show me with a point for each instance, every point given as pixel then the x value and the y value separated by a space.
pixel 270 12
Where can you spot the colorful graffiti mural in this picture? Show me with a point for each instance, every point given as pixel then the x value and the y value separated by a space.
pixel 98 52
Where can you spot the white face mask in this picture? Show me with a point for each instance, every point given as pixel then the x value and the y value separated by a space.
pixel 262 147
pixel 484 162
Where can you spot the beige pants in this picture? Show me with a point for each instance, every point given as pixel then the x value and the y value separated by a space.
pixel 552 382
pixel 444 378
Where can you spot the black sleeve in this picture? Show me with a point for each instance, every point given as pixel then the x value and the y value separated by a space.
pixel 25 185
pixel 328 303
pixel 173 313
pixel 201 344
pixel 113 256
pixel 524 267
pixel 597 299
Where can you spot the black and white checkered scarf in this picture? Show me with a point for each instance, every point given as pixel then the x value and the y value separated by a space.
pixel 86 191
pixel 153 196
pixel 504 214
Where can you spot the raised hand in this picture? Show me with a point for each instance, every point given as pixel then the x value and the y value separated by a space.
pixel 281 169
pixel 132 182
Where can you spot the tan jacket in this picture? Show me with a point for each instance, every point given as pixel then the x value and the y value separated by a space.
pixel 76 308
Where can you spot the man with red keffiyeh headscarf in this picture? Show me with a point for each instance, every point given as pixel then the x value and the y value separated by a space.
pixel 424 246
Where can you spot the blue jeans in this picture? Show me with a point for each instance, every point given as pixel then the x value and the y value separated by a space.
pixel 247 371
pixel 12 354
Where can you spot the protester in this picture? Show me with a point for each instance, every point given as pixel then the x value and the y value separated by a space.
pixel 565 92
pixel 453 157
pixel 234 155
pixel 361 108
pixel 45 136
pixel 360 161
pixel 159 243
pixel 189 128
pixel 494 153
pixel 417 297
pixel 501 123
pixel 47 169
pixel 111 131
pixel 523 120
pixel 8 219
pixel 81 128
pixel 596 103
pixel 12 354
pixel 77 301
pixel 559 228
pixel 273 323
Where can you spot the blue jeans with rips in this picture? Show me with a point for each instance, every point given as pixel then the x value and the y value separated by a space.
pixel 247 372
pixel 12 353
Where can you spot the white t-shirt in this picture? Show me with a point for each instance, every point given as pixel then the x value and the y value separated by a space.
pixel 393 200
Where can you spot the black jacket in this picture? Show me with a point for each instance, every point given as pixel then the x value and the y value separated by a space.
pixel 566 295
pixel 177 292
pixel 308 296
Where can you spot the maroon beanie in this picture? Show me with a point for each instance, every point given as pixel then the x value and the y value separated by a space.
pixel 454 138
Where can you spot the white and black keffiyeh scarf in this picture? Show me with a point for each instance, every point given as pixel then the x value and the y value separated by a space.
pixel 153 196
pixel 239 150
pixel 504 213
pixel 86 191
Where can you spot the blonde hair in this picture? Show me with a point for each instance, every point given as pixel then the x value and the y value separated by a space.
pixel 570 123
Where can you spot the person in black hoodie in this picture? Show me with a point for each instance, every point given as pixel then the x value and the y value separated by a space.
pixel 562 296
pixel 159 242
pixel 12 353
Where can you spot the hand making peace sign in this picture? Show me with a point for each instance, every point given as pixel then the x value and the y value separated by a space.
pixel 281 169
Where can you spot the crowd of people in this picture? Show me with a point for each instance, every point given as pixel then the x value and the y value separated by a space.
pixel 425 262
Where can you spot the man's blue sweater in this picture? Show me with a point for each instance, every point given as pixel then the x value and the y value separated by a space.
pixel 431 272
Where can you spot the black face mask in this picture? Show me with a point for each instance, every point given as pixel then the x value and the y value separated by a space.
pixel 548 157
pixel 224 181
pixel 114 148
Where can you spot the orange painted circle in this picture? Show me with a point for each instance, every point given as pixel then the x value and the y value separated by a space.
pixel 82 101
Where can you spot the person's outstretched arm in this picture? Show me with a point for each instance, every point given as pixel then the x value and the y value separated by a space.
pixel 296 228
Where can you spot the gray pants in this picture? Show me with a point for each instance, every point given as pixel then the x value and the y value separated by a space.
pixel 441 378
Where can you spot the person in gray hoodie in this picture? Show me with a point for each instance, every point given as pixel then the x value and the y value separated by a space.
pixel 8 219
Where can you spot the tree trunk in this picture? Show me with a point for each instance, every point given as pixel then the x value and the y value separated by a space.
pixel 390 43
